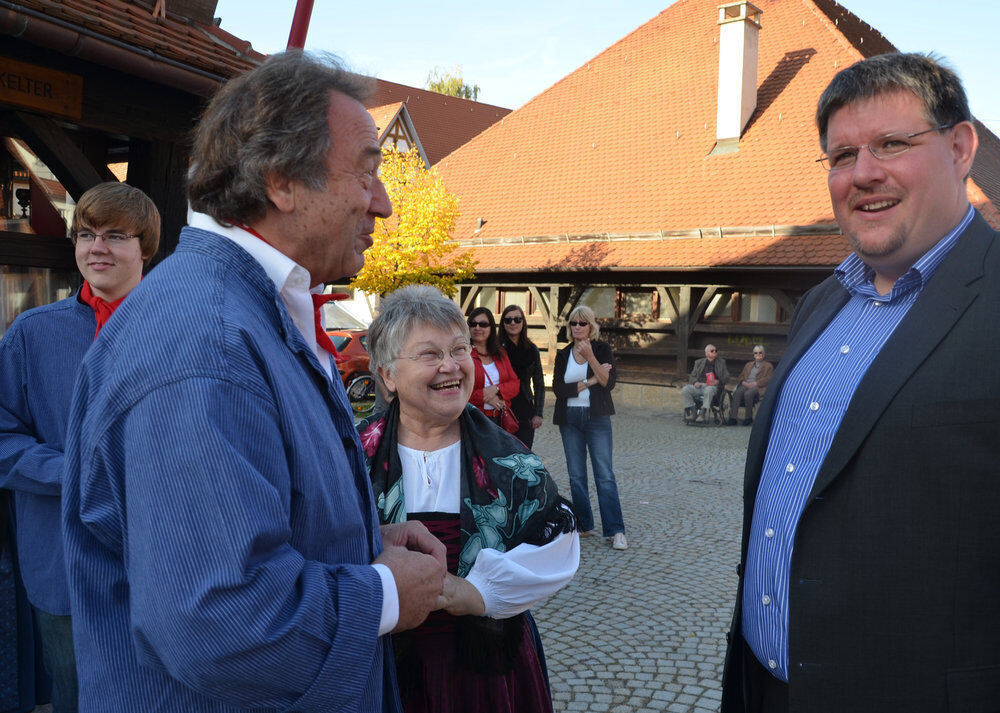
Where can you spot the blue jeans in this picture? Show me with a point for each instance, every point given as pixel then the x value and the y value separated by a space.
pixel 56 634
pixel 582 432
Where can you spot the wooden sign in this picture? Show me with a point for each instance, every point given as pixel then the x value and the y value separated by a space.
pixel 44 90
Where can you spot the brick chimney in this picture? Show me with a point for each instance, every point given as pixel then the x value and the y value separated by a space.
pixel 739 26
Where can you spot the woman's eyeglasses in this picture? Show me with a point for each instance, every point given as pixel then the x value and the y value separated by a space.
pixel 482 325
pixel 579 324
pixel 434 357
pixel 512 320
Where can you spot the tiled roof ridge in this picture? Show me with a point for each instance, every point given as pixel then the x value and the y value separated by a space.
pixel 707 233
pixel 392 86
pixel 851 29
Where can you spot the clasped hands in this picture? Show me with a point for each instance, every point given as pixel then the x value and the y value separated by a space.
pixel 417 561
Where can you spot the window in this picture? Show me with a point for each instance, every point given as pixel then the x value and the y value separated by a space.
pixel 638 304
pixel 23 288
pixel 602 300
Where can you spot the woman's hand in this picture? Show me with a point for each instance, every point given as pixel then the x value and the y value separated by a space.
pixel 459 597
pixel 536 421
pixel 583 350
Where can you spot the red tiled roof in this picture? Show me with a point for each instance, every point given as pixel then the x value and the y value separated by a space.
pixel 667 254
pixel 622 145
pixel 443 123
pixel 177 39
pixel 383 115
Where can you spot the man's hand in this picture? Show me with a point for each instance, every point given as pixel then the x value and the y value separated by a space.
pixel 414 535
pixel 459 597
pixel 419 582
pixel 536 421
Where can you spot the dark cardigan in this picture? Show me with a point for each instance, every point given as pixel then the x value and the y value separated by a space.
pixel 600 396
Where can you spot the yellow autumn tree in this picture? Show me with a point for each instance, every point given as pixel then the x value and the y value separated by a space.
pixel 411 247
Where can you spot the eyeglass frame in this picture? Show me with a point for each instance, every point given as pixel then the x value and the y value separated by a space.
pixel 824 160
pixel 512 320
pixel 106 236
pixel 482 325
pixel 439 354
pixel 578 324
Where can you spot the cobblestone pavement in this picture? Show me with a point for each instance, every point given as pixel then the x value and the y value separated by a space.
pixel 644 629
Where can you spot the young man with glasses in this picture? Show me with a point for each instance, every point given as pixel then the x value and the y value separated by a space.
pixel 751 387
pixel 868 580
pixel 115 231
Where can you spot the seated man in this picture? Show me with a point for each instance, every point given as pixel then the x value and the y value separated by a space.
pixel 708 376
pixel 753 384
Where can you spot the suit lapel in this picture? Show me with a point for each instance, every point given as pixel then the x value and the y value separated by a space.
pixel 953 287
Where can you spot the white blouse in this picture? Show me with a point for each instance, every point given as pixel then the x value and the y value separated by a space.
pixel 509 582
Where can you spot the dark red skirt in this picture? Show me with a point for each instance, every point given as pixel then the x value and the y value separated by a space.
pixel 432 679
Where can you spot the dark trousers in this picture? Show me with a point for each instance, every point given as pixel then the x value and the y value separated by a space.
pixel 56 634
pixel 765 693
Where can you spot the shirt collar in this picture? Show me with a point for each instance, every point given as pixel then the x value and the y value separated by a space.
pixel 857 277
pixel 283 271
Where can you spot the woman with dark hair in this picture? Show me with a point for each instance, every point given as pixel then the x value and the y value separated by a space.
pixel 510 537
pixel 582 380
pixel 496 383
pixel 527 363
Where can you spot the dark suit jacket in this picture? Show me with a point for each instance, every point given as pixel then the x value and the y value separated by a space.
pixel 895 578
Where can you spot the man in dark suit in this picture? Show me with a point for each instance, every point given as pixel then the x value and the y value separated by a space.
pixel 870 572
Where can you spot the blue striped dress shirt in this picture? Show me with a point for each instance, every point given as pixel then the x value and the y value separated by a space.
pixel 218 521
pixel 810 406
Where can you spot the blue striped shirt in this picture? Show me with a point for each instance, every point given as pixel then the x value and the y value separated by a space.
pixel 810 406
pixel 218 521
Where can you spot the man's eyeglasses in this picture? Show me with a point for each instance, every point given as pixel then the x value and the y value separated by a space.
pixel 512 320
pixel 758 352
pixel 882 148
pixel 433 357
pixel 482 325
pixel 113 236
pixel 579 324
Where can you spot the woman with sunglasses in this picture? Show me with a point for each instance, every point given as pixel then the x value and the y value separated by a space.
pixel 496 383
pixel 527 363
pixel 582 381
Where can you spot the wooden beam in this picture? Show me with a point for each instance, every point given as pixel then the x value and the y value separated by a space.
pixel 467 303
pixel 57 150
pixel 699 311
pixel 668 302
pixel 684 322
pixel 27 250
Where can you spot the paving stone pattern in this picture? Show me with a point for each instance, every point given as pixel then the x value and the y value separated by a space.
pixel 644 630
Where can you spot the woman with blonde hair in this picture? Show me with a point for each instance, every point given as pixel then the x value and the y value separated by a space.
pixel 582 381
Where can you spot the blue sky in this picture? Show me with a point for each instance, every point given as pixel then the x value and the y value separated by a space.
pixel 517 49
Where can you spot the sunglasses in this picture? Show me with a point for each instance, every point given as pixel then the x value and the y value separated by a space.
pixel 482 325
pixel 512 320
pixel 579 324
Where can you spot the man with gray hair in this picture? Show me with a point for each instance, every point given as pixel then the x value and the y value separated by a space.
pixel 868 580
pixel 223 548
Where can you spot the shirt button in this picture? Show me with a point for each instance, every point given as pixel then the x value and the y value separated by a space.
pixel 769 532
pixel 876 303
pixel 845 349
pixel 765 600
pixel 814 406
pixel 771 663
pixel 789 468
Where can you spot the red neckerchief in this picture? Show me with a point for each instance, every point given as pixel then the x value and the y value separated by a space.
pixel 322 338
pixel 102 308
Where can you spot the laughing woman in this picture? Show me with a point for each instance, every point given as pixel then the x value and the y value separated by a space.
pixel 510 537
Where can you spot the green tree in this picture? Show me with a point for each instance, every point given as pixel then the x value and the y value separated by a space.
pixel 451 83
pixel 411 246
